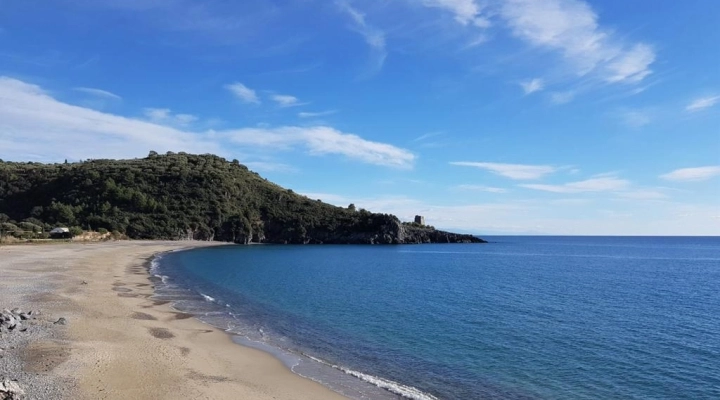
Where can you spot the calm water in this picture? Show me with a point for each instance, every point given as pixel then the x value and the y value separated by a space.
pixel 518 318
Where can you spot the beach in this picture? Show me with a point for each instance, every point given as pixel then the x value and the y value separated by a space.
pixel 116 341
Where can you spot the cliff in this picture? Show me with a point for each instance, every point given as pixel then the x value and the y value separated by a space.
pixel 183 196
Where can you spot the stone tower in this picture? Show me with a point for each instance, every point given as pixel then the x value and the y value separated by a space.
pixel 419 219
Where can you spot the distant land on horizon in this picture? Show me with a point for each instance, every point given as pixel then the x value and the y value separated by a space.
pixel 182 196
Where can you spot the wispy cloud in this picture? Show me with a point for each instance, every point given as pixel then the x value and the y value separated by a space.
pixel 316 114
pixel 643 194
pixel 481 188
pixel 374 37
pixel 427 136
pixel 635 118
pixel 29 116
pixel 467 12
pixel 512 171
pixel 98 93
pixel 571 27
pixel 267 166
pixel 322 140
pixel 243 93
pixel 692 174
pixel 600 184
pixel 702 103
pixel 562 97
pixel 165 116
pixel 532 86
pixel 284 100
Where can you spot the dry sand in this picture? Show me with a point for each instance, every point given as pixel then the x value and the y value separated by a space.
pixel 119 343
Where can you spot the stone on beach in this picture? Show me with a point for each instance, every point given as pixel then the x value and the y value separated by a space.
pixel 10 390
pixel 11 320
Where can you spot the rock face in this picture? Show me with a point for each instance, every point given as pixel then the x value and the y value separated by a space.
pixel 385 229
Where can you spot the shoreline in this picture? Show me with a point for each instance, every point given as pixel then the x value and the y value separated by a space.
pixel 119 342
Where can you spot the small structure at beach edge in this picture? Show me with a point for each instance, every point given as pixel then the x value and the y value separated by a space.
pixel 60 233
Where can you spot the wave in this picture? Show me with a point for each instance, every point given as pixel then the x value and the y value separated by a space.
pixel 208 298
pixel 405 391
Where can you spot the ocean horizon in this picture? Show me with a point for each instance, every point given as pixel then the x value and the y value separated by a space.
pixel 522 317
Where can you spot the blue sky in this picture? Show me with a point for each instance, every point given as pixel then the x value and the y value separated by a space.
pixel 497 116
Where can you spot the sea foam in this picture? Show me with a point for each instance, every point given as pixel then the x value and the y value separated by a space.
pixel 405 391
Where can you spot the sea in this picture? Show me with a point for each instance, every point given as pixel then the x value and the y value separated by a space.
pixel 520 317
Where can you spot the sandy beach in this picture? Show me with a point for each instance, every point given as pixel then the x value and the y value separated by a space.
pixel 119 343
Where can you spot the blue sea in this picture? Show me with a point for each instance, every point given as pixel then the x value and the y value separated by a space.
pixel 517 318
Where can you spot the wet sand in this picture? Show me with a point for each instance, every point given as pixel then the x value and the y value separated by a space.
pixel 119 343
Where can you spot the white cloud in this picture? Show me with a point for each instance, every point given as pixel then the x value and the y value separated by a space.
pixel 481 188
pixel 532 85
pixel 599 184
pixel 35 126
pixel 321 140
pixel 571 27
pixel 636 118
pixel 702 103
pixel 427 136
pixel 632 65
pixel 643 194
pixel 692 174
pixel 284 100
pixel 38 127
pixel 512 171
pixel 562 216
pixel 243 93
pixel 562 97
pixel 374 37
pixel 165 116
pixel 267 166
pixel 316 114
pixel 98 93
pixel 467 12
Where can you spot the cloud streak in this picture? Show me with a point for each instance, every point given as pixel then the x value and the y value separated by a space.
pixel 481 188
pixel 316 114
pixel 599 184
pixel 284 100
pixel 98 93
pixel 571 27
pixel 165 116
pixel 374 37
pixel 467 12
pixel 322 140
pixel 532 86
pixel 244 93
pixel 702 103
pixel 512 171
pixel 35 126
pixel 692 174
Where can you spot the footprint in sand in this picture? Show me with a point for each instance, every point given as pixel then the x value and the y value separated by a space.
pixel 161 333
pixel 143 316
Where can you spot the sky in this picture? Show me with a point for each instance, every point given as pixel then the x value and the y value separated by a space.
pixel 563 117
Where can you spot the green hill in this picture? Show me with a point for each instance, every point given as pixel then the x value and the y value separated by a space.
pixel 183 196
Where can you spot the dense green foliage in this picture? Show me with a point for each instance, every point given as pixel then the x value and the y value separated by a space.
pixel 176 196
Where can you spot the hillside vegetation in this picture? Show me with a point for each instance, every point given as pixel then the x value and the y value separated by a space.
pixel 183 196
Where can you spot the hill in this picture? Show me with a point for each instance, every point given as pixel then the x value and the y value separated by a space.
pixel 183 196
